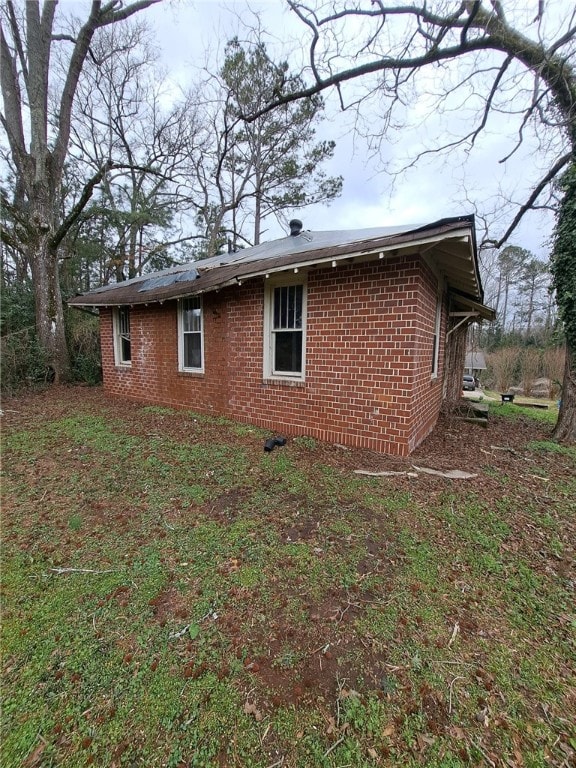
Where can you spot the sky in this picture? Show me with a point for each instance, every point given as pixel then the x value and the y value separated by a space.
pixel 192 33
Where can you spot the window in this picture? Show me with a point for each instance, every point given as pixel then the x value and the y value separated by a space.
pixel 436 337
pixel 284 331
pixel 122 345
pixel 191 347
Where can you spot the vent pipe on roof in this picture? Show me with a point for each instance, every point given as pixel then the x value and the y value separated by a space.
pixel 295 227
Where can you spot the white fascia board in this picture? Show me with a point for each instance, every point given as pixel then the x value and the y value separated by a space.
pixel 356 254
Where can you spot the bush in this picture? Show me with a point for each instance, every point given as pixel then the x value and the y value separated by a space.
pixel 23 362
pixel 503 365
pixel 530 365
pixel 84 346
pixel 553 368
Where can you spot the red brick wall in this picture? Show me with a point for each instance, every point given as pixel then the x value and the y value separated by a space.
pixel 153 375
pixel 368 352
pixel 427 392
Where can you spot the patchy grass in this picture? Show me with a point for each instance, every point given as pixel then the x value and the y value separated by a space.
pixel 519 409
pixel 547 446
pixel 173 596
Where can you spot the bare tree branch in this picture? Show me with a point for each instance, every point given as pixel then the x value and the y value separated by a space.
pixel 17 39
pixel 491 96
pixel 566 38
pixel 73 215
pixel 99 17
pixel 552 174
pixel 12 118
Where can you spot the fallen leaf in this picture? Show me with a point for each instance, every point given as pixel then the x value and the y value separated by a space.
pixel 251 709
pixel 347 693
pixel 424 741
pixel 482 717
pixel 388 730
pixel 34 758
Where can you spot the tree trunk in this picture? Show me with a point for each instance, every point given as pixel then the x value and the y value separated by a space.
pixel 258 208
pixel 454 358
pixel 257 218
pixel 43 259
pixel 214 234
pixel 505 310
pixel 565 429
pixel 49 310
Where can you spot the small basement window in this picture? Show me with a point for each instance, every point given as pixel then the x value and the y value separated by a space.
pixel 190 335
pixel 121 330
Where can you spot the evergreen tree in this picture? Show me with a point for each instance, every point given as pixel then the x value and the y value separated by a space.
pixel 265 167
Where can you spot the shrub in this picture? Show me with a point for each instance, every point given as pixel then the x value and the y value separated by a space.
pixel 529 368
pixel 23 362
pixel 84 345
pixel 553 368
pixel 504 367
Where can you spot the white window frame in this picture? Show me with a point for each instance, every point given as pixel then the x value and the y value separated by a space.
pixel 182 333
pixel 119 334
pixel 437 327
pixel 282 281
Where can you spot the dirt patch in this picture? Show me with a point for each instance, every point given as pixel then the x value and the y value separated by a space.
pixel 170 604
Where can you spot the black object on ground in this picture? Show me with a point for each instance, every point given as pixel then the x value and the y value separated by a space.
pixel 272 442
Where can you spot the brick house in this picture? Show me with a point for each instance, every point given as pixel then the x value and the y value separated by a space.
pixel 347 336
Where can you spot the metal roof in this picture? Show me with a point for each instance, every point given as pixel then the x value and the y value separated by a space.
pixel 449 243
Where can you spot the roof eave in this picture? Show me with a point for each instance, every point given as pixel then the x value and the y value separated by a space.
pixel 473 305
pixel 458 231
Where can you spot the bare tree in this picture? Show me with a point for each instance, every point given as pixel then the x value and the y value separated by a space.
pixel 510 263
pixel 39 142
pixel 534 280
pixel 520 65
pixel 118 118
pixel 504 366
pixel 530 363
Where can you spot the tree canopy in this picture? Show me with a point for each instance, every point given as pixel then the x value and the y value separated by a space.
pixel 252 171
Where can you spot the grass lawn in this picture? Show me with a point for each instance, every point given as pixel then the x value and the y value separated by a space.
pixel 172 595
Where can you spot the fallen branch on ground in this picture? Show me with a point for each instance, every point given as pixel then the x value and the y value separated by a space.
pixel 458 677
pixel 454 634
pixel 333 747
pixel 179 634
pixel 383 474
pixel 451 474
pixel 80 570
pixel 483 753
